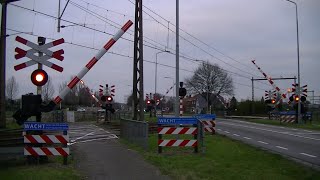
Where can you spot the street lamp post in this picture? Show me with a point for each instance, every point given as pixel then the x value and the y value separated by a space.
pixel 298 54
pixel 156 71
pixel 155 79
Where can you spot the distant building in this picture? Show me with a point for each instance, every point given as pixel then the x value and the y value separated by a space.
pixel 198 104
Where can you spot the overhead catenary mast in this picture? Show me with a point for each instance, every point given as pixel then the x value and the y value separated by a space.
pixel 283 95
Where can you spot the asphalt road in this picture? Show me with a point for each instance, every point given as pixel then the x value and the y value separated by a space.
pixel 298 144
pixel 99 155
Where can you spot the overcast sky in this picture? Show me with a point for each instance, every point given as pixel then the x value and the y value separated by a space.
pixel 241 30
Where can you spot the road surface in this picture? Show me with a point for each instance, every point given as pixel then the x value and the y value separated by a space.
pixel 99 155
pixel 299 144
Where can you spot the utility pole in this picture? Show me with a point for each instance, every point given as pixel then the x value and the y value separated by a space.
pixel 4 4
pixel 138 102
pixel 177 104
pixel 252 101
pixel 41 41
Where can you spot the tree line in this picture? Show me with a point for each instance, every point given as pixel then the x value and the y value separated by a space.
pixel 77 97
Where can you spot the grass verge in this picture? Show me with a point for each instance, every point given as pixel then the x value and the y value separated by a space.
pixel 224 159
pixel 18 169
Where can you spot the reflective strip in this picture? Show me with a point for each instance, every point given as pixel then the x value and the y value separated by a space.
pixel 46 151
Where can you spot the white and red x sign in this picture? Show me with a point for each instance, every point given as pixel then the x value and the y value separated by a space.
pixel 39 48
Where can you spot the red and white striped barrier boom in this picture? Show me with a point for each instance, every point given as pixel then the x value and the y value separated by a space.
pixel 36 59
pixel 177 130
pixel 179 142
pixel 46 151
pixel 222 102
pixel 165 94
pixel 209 126
pixel 283 95
pixel 91 63
pixel 46 139
pixel 91 95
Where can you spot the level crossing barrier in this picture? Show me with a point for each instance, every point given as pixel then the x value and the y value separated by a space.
pixel 39 144
pixel 170 126
pixel 208 121
pixel 287 117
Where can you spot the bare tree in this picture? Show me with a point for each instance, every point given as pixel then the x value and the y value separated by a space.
pixel 12 88
pixel 72 98
pixel 48 90
pixel 210 81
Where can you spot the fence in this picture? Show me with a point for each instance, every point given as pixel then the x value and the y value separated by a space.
pixel 135 132
pixel 11 143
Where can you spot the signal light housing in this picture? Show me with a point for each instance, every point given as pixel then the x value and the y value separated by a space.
pixel 109 98
pixel 106 98
pixel 296 98
pixel 268 101
pixel 39 77
pixel 291 98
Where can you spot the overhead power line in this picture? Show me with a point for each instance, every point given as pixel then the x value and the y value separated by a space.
pixel 118 54
pixel 197 40
pixel 183 56
pixel 82 25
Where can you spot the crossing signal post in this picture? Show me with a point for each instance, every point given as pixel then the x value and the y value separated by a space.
pixel 108 106
pixel 182 94
pixel 31 104
pixel 149 107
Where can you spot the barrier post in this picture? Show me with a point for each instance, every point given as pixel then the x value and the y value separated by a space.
pixel 201 136
pixel 65 158
pixel 196 138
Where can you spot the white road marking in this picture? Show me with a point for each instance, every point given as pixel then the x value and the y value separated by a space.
pixel 246 137
pixel 111 137
pixel 263 142
pixel 307 131
pixel 266 125
pixel 286 133
pixel 308 155
pixel 227 132
pixel 88 134
pixel 219 129
pixel 280 147
pixel 236 134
